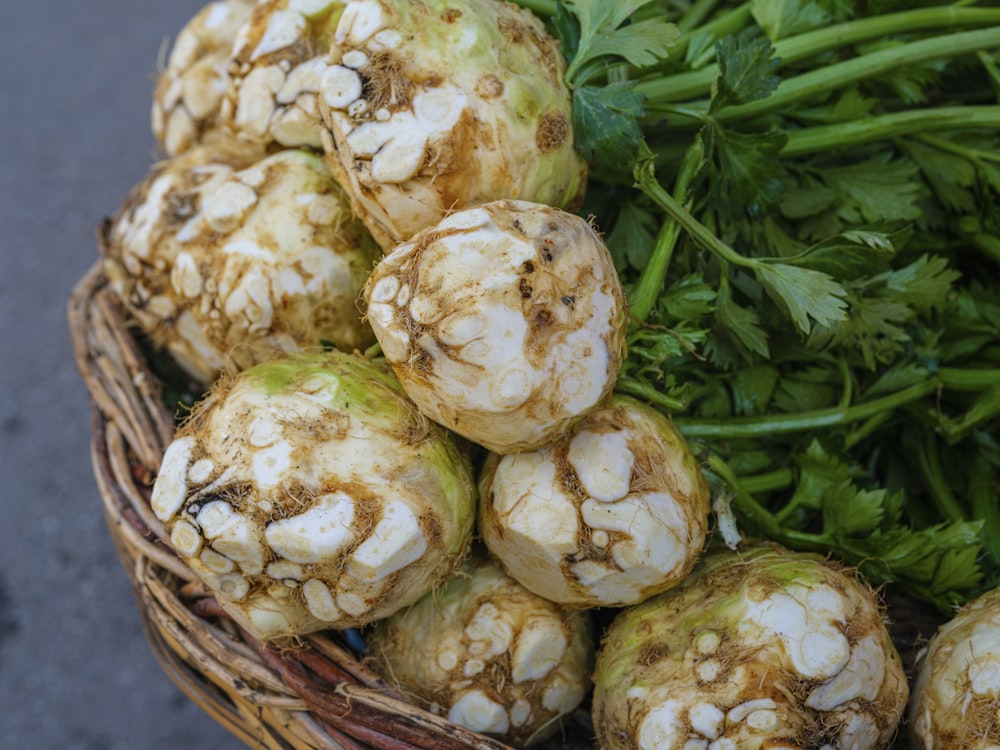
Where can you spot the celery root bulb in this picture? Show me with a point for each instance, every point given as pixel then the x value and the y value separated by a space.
pixel 488 654
pixel 309 493
pixel 275 73
pixel 188 98
pixel 227 258
pixel 437 106
pixel 956 695
pixel 763 648
pixel 611 514
pixel 505 322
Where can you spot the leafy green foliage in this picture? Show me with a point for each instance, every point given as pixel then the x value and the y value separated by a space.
pixel 820 305
pixel 752 388
pixel 849 105
pixel 806 294
pixel 748 177
pixel 879 188
pixel 864 525
pixel 882 307
pixel 602 32
pixel 781 18
pixel 605 120
pixel 737 334
pixel 596 34
pixel 632 234
pixel 746 69
pixel 855 252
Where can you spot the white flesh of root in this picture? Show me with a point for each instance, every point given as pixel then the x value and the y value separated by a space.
pixel 505 322
pixel 275 73
pixel 436 106
pixel 190 89
pixel 227 260
pixel 309 493
pixel 613 513
pixel 489 655
pixel 764 648
pixel 956 695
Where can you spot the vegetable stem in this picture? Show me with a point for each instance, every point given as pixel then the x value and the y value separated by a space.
pixel 987 244
pixel 644 295
pixel 783 424
pixel 647 183
pixel 647 289
pixel 727 23
pixel 748 506
pixel 539 7
pixel 757 514
pixel 881 127
pixel 633 387
pixel 972 154
pixel 983 499
pixel 866 428
pixel 822 80
pixel 937 486
pixel 968 379
pixel 985 408
pixel 689 85
pixel 695 14
pixel 769 481
pixel 991 68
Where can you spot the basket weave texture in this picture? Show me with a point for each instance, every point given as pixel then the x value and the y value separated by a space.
pixel 308 694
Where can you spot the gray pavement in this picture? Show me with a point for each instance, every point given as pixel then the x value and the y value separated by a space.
pixel 75 669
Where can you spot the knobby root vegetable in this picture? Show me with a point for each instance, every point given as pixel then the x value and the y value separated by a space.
pixel 308 493
pixel 190 88
pixel 764 648
pixel 611 514
pixel 275 72
pixel 437 106
pixel 505 322
pixel 488 654
pixel 226 259
pixel 956 694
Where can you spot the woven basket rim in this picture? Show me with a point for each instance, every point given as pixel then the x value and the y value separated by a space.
pixel 309 693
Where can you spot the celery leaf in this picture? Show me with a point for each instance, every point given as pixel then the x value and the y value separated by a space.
pixel 748 178
pixel 856 252
pixel 632 235
pixel 605 32
pixel 605 127
pixel 803 293
pixel 781 18
pixel 879 188
pixel 924 284
pixel 746 69
pixel 737 334
pixel 752 388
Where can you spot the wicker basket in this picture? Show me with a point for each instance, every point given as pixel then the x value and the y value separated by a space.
pixel 310 694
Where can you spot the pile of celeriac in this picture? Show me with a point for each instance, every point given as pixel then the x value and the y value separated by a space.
pixel 564 351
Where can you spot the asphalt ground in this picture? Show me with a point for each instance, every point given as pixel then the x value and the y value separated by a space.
pixel 75 669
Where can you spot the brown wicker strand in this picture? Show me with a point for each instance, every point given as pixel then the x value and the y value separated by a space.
pixel 109 355
pixel 347 741
pixel 215 703
pixel 343 658
pixel 122 518
pixel 147 389
pixel 248 675
pixel 382 721
pixel 128 479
